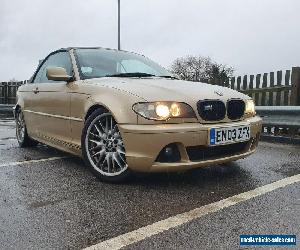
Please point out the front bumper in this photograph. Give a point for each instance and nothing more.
(143, 144)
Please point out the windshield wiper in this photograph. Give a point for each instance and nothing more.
(135, 74)
(170, 77)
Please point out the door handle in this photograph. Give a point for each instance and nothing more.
(36, 90)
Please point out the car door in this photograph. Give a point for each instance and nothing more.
(50, 104)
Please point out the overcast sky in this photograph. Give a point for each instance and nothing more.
(253, 36)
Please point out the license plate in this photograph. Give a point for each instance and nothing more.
(229, 135)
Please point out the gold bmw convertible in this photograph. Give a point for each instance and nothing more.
(122, 112)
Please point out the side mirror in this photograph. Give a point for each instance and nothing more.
(58, 74)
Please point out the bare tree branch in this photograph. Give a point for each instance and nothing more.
(201, 69)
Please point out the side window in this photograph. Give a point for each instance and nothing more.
(38, 75)
(60, 59)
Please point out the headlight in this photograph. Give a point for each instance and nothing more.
(250, 107)
(163, 110)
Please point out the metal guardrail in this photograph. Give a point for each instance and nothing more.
(284, 116)
(280, 123)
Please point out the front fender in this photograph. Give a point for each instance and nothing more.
(119, 103)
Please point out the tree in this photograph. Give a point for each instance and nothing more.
(201, 69)
(13, 80)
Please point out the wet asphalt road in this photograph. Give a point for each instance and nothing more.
(59, 204)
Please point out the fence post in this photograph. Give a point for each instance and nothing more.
(295, 93)
(1, 92)
(264, 93)
(257, 86)
(5, 93)
(238, 83)
(287, 83)
(251, 85)
(272, 86)
(245, 82)
(232, 82)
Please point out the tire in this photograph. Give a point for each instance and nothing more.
(21, 131)
(103, 149)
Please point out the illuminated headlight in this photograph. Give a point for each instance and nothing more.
(163, 110)
(250, 107)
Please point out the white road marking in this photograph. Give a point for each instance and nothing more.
(180, 219)
(9, 164)
(8, 139)
(7, 124)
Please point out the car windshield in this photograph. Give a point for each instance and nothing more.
(94, 63)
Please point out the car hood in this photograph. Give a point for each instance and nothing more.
(162, 89)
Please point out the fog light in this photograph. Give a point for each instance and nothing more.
(169, 153)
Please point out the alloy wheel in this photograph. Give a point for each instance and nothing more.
(104, 146)
(20, 127)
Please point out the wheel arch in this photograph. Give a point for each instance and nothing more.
(119, 104)
(16, 109)
(93, 108)
(98, 106)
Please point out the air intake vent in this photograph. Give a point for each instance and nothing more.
(235, 109)
(211, 110)
(203, 153)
